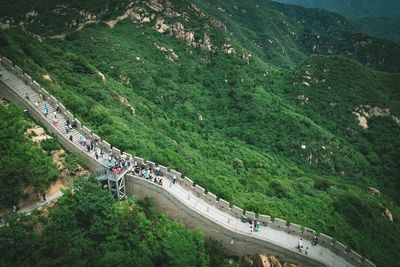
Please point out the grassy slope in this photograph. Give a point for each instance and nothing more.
(247, 146)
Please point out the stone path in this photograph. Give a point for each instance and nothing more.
(278, 237)
(19, 86)
(40, 203)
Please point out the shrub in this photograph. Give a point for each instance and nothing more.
(50, 144)
(322, 184)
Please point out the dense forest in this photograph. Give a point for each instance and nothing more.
(258, 108)
(88, 228)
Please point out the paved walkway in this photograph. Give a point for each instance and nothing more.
(19, 86)
(40, 203)
(278, 237)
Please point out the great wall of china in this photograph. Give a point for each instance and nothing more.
(185, 200)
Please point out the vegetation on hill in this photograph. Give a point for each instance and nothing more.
(22, 162)
(284, 142)
(89, 228)
(377, 18)
(353, 8)
(384, 27)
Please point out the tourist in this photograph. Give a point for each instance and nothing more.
(251, 227)
(146, 175)
(66, 128)
(44, 196)
(306, 251)
(71, 138)
(174, 179)
(36, 104)
(46, 110)
(315, 240)
(96, 155)
(14, 208)
(158, 171)
(55, 114)
(81, 140)
(258, 226)
(300, 244)
(27, 96)
(161, 182)
(88, 144)
(57, 108)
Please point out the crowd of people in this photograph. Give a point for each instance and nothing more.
(149, 172)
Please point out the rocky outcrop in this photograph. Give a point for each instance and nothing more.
(386, 213)
(206, 44)
(161, 27)
(262, 261)
(168, 52)
(363, 113)
(228, 49)
(266, 261)
(179, 32)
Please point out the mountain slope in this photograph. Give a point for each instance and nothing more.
(353, 8)
(376, 18)
(187, 86)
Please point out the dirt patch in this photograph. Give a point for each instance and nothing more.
(4, 26)
(58, 159)
(38, 134)
(363, 113)
(362, 120)
(102, 76)
(58, 37)
(47, 77)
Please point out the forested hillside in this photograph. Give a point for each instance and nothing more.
(353, 8)
(377, 18)
(23, 163)
(87, 228)
(230, 94)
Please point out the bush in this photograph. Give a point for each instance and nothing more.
(322, 184)
(50, 144)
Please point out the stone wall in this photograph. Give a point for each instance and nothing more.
(235, 243)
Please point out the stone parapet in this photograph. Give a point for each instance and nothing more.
(237, 212)
(187, 183)
(250, 215)
(223, 205)
(116, 152)
(139, 161)
(211, 198)
(264, 219)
